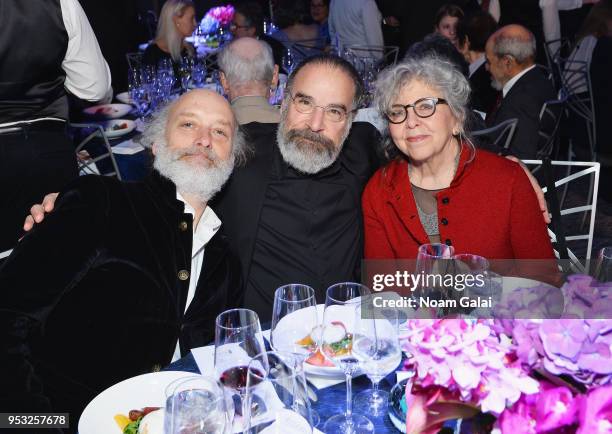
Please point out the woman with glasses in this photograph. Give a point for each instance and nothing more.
(438, 188)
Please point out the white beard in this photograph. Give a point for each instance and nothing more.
(200, 180)
(306, 151)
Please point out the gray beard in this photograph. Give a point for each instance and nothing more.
(306, 151)
(200, 181)
(496, 84)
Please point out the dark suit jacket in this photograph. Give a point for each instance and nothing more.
(241, 200)
(96, 294)
(524, 102)
(483, 96)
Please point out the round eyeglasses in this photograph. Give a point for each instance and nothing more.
(423, 108)
(306, 105)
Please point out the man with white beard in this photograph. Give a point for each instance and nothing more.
(123, 277)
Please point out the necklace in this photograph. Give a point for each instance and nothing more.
(456, 166)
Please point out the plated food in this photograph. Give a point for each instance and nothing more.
(108, 111)
(118, 127)
(148, 420)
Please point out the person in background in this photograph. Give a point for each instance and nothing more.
(296, 31)
(446, 21)
(123, 277)
(248, 75)
(319, 12)
(472, 33)
(48, 52)
(248, 22)
(510, 54)
(356, 22)
(176, 22)
(438, 188)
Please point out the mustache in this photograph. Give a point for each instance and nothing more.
(297, 135)
(196, 150)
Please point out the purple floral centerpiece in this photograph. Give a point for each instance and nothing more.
(216, 22)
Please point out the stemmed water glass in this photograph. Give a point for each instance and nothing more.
(376, 346)
(198, 73)
(288, 61)
(238, 339)
(197, 405)
(295, 326)
(185, 70)
(276, 395)
(336, 345)
(603, 267)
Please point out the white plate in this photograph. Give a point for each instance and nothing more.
(124, 97)
(108, 111)
(111, 133)
(147, 390)
(323, 371)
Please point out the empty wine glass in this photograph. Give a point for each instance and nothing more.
(185, 69)
(238, 339)
(276, 395)
(336, 344)
(295, 326)
(376, 345)
(603, 268)
(197, 405)
(288, 61)
(198, 73)
(433, 262)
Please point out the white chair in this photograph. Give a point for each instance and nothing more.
(386, 54)
(500, 135)
(584, 169)
(89, 166)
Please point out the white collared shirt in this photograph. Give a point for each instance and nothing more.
(477, 64)
(514, 79)
(208, 225)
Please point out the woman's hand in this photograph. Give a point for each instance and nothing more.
(536, 187)
(38, 211)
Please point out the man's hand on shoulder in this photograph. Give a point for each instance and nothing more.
(536, 188)
(38, 211)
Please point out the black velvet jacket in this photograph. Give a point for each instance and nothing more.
(97, 293)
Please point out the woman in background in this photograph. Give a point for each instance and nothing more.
(446, 21)
(176, 22)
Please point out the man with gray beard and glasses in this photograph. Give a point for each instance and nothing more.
(293, 210)
(122, 278)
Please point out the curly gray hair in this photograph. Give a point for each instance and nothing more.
(155, 132)
(432, 71)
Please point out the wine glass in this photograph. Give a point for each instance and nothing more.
(198, 73)
(185, 69)
(376, 345)
(433, 262)
(238, 339)
(603, 269)
(276, 395)
(336, 345)
(295, 326)
(197, 405)
(288, 61)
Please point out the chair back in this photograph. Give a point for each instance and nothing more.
(134, 60)
(551, 114)
(96, 150)
(385, 54)
(574, 246)
(499, 135)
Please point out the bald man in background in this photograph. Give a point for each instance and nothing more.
(248, 76)
(510, 54)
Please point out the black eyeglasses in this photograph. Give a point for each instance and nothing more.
(423, 108)
(306, 105)
(236, 26)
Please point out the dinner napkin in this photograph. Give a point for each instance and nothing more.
(129, 147)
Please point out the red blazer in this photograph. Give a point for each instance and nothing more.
(490, 209)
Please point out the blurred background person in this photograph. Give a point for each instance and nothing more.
(356, 22)
(525, 87)
(472, 34)
(176, 22)
(319, 12)
(248, 21)
(59, 56)
(292, 19)
(248, 76)
(446, 21)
